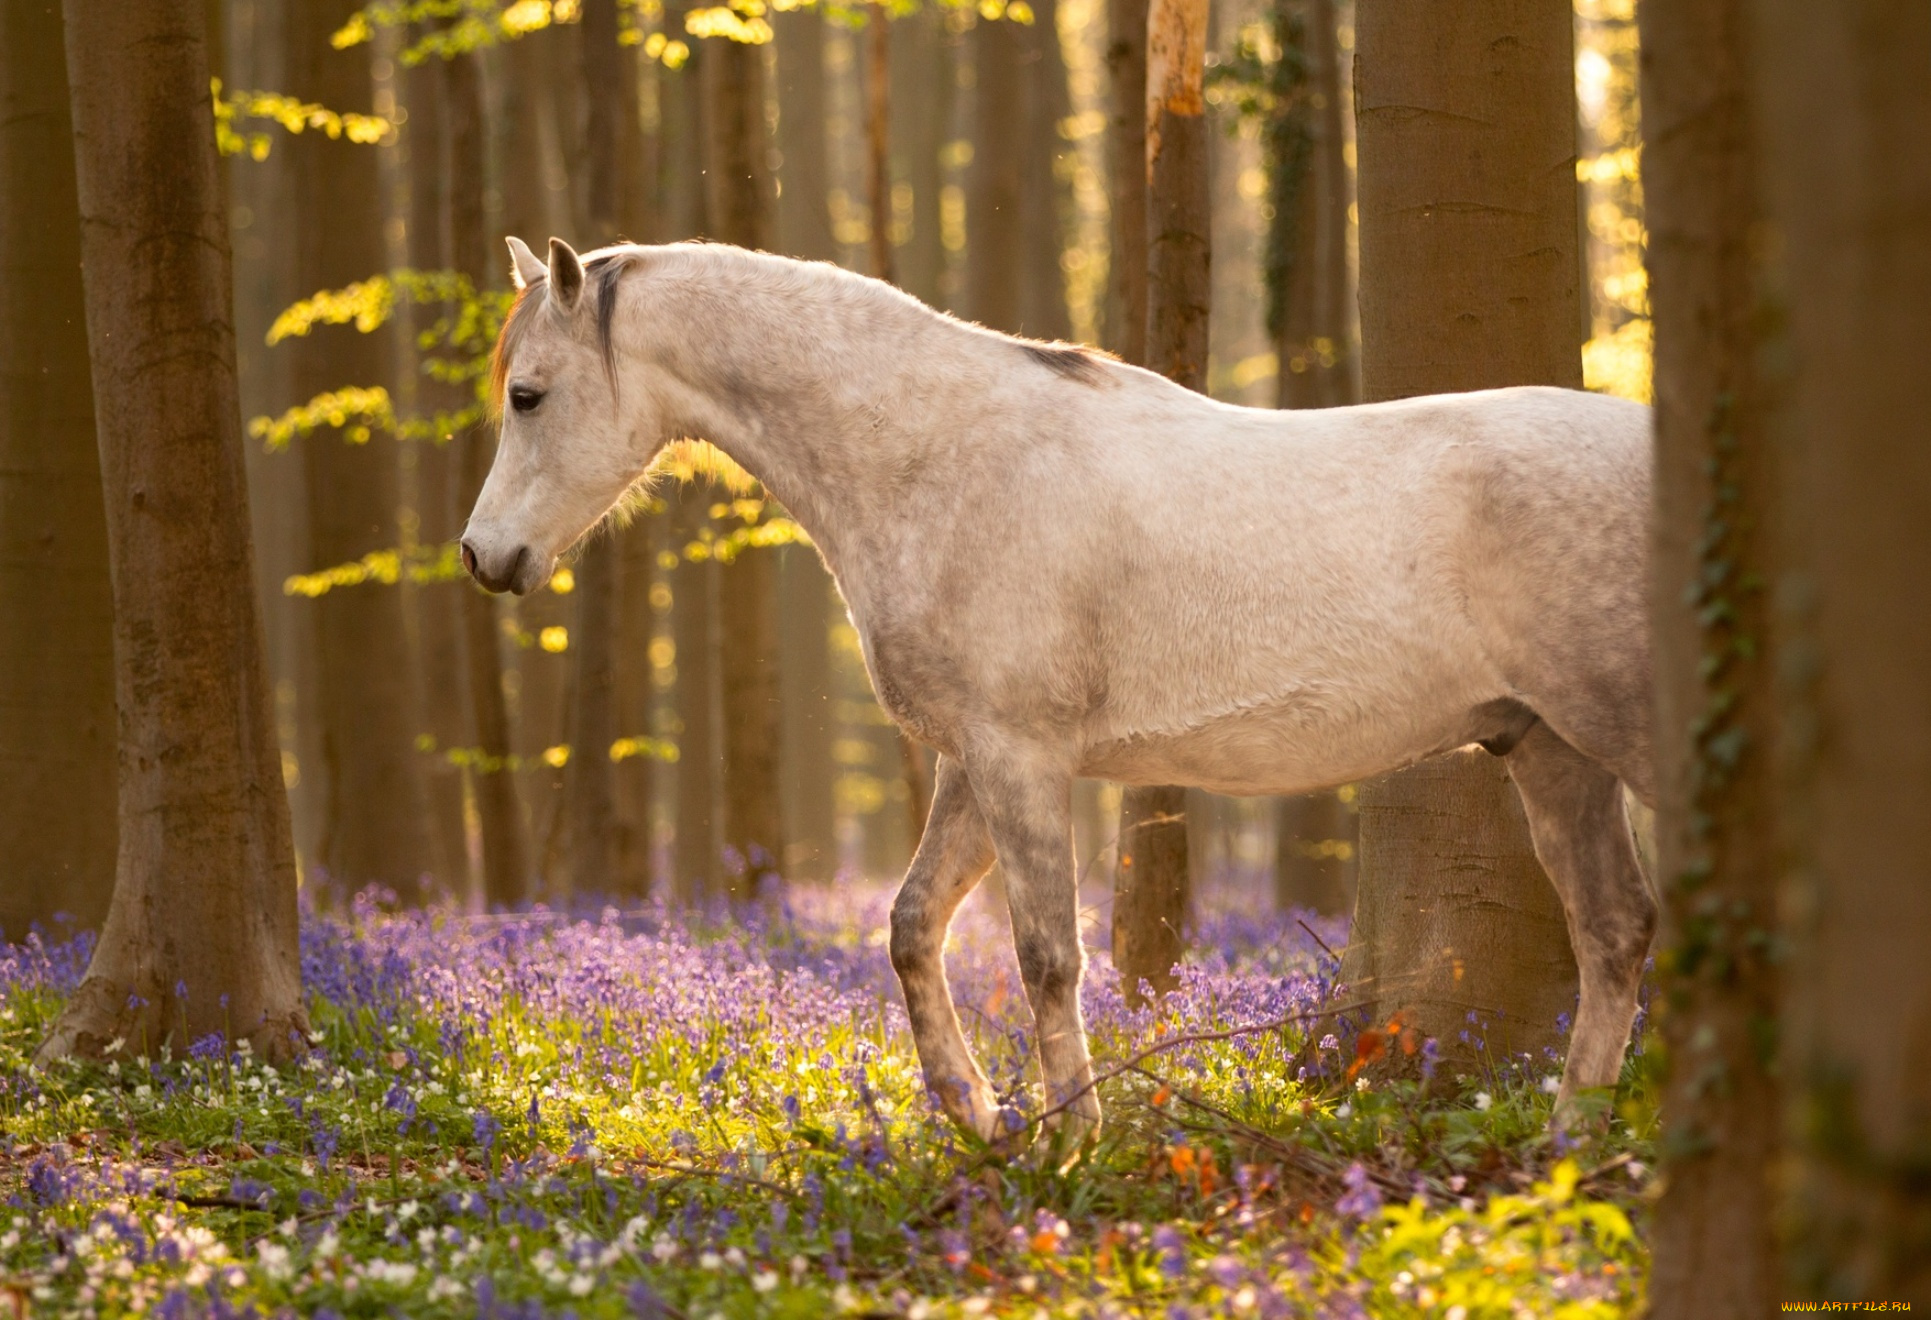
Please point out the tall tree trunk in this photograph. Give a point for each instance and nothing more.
(740, 206)
(589, 805)
(1152, 889)
(697, 872)
(804, 588)
(375, 823)
(923, 80)
(1045, 199)
(1315, 833)
(201, 932)
(1126, 160)
(499, 811)
(57, 792)
(436, 604)
(1468, 280)
(1846, 125)
(1716, 820)
(878, 141)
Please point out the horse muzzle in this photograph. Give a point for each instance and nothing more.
(519, 571)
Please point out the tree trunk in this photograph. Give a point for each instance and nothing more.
(57, 786)
(375, 822)
(878, 140)
(1846, 118)
(201, 932)
(499, 811)
(1045, 199)
(1126, 66)
(438, 521)
(589, 806)
(740, 212)
(1152, 891)
(1314, 850)
(696, 866)
(1716, 822)
(1315, 833)
(1469, 279)
(1012, 231)
(923, 81)
(804, 588)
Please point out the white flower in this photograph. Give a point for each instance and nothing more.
(735, 1257)
(1551, 1084)
(663, 1248)
(1483, 1099)
(844, 1298)
(581, 1285)
(274, 1260)
(709, 1260)
(114, 1046)
(764, 1280)
(1344, 1111)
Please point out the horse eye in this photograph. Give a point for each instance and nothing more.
(524, 399)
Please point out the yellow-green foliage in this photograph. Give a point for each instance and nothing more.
(231, 108)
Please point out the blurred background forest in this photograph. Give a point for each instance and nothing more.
(689, 688)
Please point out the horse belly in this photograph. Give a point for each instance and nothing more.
(1277, 751)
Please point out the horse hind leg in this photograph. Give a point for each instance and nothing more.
(1580, 828)
(953, 855)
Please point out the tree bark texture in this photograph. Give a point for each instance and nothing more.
(375, 823)
(1716, 820)
(1845, 125)
(499, 810)
(57, 776)
(740, 206)
(878, 139)
(201, 932)
(1152, 888)
(1466, 127)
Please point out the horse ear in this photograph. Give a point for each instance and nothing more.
(566, 275)
(525, 269)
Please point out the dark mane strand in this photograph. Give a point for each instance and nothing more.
(1072, 361)
(607, 271)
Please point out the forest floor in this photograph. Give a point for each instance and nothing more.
(635, 1114)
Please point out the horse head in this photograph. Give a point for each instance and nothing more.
(566, 452)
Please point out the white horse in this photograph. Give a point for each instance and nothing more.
(1062, 566)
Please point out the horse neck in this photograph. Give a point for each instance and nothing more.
(823, 388)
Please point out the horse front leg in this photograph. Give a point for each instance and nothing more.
(1028, 808)
(1580, 828)
(953, 855)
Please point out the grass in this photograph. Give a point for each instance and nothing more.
(642, 1115)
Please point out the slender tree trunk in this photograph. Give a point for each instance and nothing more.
(697, 870)
(589, 806)
(57, 790)
(923, 80)
(878, 143)
(740, 207)
(1845, 127)
(1152, 890)
(993, 236)
(499, 811)
(804, 588)
(1126, 67)
(201, 933)
(375, 822)
(1315, 833)
(436, 604)
(1468, 280)
(1716, 823)
(1045, 199)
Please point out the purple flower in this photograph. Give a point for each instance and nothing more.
(1362, 1199)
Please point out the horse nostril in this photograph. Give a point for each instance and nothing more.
(469, 558)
